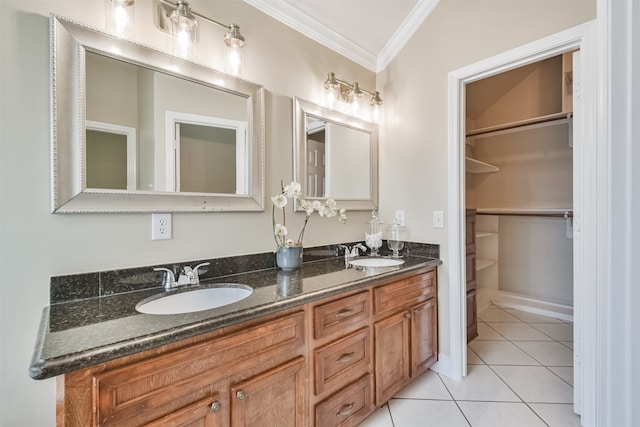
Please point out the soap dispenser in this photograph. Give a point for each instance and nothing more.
(373, 239)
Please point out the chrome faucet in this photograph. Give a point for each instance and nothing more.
(188, 276)
(168, 279)
(353, 251)
(193, 274)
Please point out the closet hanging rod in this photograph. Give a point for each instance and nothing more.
(549, 119)
(551, 213)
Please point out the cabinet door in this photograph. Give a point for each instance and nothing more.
(424, 336)
(276, 397)
(391, 342)
(206, 413)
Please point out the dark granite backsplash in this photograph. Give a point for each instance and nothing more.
(100, 284)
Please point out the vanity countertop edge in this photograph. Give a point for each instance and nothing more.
(59, 350)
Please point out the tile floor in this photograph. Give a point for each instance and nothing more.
(520, 373)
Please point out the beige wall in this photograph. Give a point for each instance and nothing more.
(35, 244)
(413, 150)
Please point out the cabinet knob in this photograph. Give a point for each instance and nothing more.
(345, 410)
(407, 315)
(240, 395)
(345, 357)
(216, 406)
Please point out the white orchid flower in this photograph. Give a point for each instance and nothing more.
(293, 190)
(306, 206)
(279, 201)
(280, 230)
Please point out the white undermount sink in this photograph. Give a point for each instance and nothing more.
(376, 262)
(195, 300)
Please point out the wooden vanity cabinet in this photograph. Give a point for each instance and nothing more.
(329, 363)
(405, 332)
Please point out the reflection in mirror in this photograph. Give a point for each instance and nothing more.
(158, 132)
(335, 156)
(126, 95)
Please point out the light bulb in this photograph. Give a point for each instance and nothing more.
(120, 17)
(234, 59)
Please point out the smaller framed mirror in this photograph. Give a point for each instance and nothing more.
(335, 156)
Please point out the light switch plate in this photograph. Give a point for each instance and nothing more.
(438, 219)
(400, 218)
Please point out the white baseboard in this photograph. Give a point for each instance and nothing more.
(442, 366)
(532, 305)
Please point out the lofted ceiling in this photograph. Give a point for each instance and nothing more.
(369, 32)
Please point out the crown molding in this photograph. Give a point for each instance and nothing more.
(405, 31)
(303, 23)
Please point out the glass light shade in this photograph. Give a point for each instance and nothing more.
(234, 58)
(376, 106)
(120, 18)
(356, 99)
(332, 88)
(185, 29)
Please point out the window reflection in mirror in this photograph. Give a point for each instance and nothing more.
(174, 151)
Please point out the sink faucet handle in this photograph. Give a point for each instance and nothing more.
(354, 250)
(196, 272)
(169, 279)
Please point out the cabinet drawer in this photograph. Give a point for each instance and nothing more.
(348, 407)
(471, 271)
(340, 362)
(337, 315)
(144, 391)
(404, 293)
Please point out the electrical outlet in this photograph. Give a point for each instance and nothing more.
(438, 219)
(400, 218)
(161, 226)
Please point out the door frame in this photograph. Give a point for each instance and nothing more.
(586, 210)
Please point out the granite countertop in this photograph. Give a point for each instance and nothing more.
(80, 333)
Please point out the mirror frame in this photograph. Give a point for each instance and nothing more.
(301, 110)
(69, 194)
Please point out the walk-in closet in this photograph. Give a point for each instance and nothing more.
(519, 190)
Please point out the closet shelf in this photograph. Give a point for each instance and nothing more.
(551, 119)
(481, 264)
(481, 234)
(476, 166)
(549, 212)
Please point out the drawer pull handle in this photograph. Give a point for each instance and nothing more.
(345, 410)
(407, 315)
(216, 406)
(240, 395)
(345, 358)
(344, 313)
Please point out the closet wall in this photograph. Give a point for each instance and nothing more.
(523, 171)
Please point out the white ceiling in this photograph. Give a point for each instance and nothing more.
(369, 32)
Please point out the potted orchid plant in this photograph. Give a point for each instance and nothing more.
(289, 251)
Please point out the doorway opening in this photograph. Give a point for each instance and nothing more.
(584, 114)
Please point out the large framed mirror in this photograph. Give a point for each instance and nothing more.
(335, 156)
(138, 130)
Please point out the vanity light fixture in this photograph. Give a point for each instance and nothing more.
(120, 17)
(354, 95)
(178, 19)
